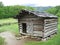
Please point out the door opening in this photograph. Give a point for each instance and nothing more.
(24, 27)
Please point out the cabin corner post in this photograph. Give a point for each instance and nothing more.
(43, 36)
(57, 26)
(50, 27)
(19, 24)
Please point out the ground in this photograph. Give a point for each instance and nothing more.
(10, 39)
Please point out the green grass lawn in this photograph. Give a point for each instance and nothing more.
(2, 41)
(12, 27)
(8, 20)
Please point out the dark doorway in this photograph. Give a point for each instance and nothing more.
(24, 27)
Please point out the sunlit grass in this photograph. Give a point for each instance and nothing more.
(13, 28)
(8, 20)
(2, 41)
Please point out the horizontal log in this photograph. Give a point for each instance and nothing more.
(49, 30)
(37, 33)
(32, 18)
(20, 27)
(50, 20)
(49, 33)
(38, 29)
(37, 26)
(36, 22)
(51, 24)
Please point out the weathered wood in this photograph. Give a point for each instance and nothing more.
(49, 30)
(50, 33)
(37, 26)
(50, 27)
(30, 28)
(50, 20)
(51, 24)
(37, 33)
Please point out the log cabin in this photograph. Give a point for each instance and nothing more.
(39, 24)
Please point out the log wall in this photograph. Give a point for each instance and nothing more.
(50, 27)
(37, 26)
(34, 25)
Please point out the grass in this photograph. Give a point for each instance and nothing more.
(12, 28)
(9, 20)
(2, 41)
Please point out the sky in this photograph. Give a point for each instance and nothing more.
(31, 2)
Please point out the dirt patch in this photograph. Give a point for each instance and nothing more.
(10, 39)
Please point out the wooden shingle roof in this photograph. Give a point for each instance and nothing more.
(43, 14)
(37, 13)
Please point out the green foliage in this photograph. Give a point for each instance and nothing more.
(1, 4)
(2, 41)
(11, 11)
(54, 10)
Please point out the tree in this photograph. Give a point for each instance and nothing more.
(54, 10)
(1, 4)
(11, 11)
